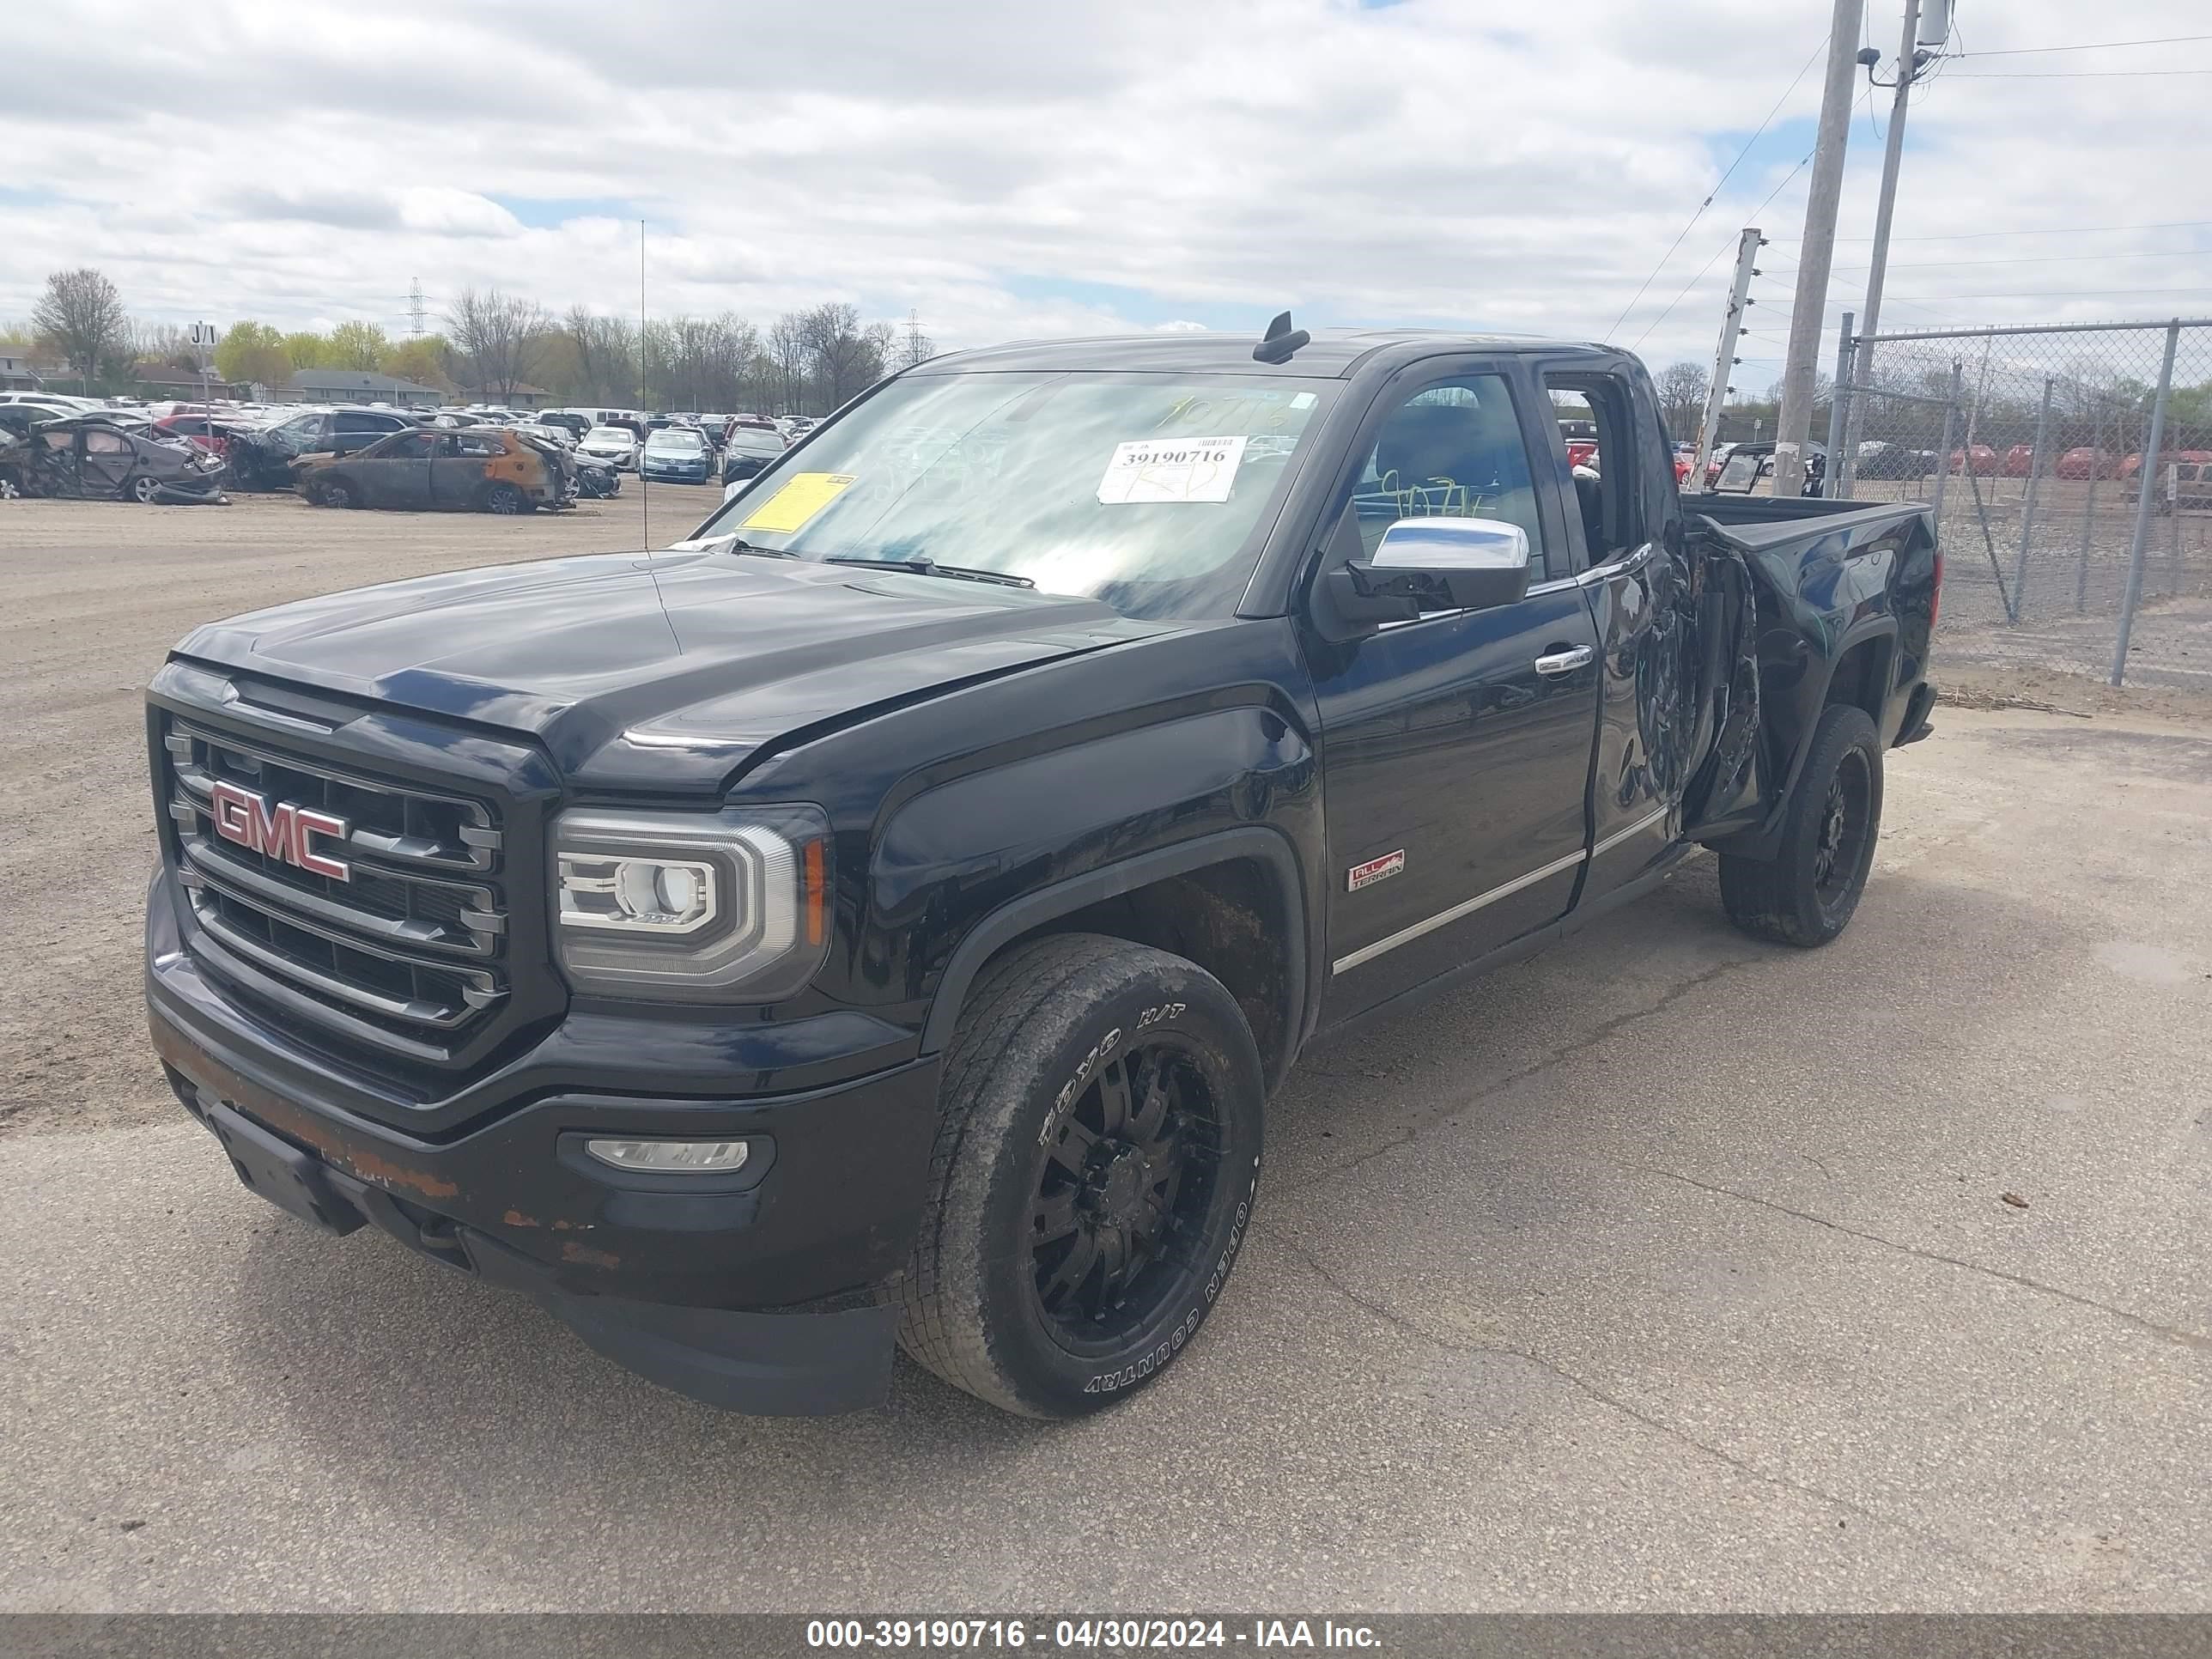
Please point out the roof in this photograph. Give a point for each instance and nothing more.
(1334, 353)
(357, 379)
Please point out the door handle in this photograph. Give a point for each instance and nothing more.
(1556, 663)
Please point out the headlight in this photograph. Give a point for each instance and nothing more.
(692, 905)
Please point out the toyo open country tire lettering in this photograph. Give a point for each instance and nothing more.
(1097, 1160)
(1806, 895)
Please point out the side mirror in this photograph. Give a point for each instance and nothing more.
(1433, 564)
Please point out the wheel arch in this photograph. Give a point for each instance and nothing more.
(1232, 901)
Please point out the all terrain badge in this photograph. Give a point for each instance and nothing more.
(1375, 870)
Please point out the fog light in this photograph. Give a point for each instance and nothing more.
(671, 1157)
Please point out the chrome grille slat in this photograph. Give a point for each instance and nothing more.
(461, 938)
(416, 1011)
(404, 952)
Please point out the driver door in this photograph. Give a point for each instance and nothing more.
(396, 472)
(1457, 745)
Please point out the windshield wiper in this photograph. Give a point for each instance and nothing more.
(931, 567)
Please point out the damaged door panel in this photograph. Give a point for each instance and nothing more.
(90, 458)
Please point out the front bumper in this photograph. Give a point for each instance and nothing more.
(764, 1292)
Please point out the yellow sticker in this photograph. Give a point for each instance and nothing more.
(802, 497)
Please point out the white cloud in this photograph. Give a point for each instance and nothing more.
(1004, 168)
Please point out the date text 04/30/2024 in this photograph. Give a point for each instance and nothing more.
(927, 1635)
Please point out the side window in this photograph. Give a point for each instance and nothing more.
(106, 443)
(347, 421)
(472, 443)
(1598, 445)
(1452, 450)
(415, 447)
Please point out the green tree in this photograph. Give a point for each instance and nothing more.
(308, 350)
(252, 351)
(425, 361)
(356, 345)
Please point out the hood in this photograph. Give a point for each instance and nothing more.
(670, 673)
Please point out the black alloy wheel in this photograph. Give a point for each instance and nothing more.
(1805, 892)
(1096, 1161)
(1845, 824)
(1121, 1193)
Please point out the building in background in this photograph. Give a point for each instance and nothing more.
(354, 386)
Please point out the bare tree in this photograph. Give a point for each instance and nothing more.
(845, 358)
(606, 355)
(80, 315)
(787, 346)
(501, 335)
(1682, 388)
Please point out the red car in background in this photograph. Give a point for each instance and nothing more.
(1984, 461)
(199, 429)
(2133, 465)
(2087, 463)
(2019, 460)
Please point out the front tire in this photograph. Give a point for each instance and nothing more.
(1806, 895)
(1098, 1159)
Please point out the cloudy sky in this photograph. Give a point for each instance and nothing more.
(1008, 168)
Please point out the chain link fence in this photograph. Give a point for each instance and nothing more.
(2073, 469)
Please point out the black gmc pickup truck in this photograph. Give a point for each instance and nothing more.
(881, 918)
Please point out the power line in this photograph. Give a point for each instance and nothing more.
(1716, 190)
(2063, 75)
(2048, 259)
(1802, 162)
(2098, 45)
(2077, 293)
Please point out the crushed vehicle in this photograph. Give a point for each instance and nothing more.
(488, 469)
(91, 458)
(883, 917)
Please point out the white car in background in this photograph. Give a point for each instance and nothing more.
(615, 444)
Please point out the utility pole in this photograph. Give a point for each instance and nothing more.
(1912, 58)
(1708, 429)
(1816, 252)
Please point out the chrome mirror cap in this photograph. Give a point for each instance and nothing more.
(1442, 544)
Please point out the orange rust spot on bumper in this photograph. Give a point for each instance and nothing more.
(278, 1113)
(516, 1218)
(585, 1256)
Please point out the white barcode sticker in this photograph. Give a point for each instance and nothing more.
(1172, 470)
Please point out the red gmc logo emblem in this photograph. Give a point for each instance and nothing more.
(280, 830)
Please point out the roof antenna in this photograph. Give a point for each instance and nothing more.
(1281, 340)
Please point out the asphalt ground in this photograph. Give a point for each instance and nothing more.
(1664, 1270)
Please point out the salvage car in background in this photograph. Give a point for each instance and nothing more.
(90, 457)
(477, 469)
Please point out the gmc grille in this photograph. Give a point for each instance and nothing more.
(409, 954)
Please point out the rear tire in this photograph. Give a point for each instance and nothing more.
(1097, 1161)
(1806, 895)
(504, 500)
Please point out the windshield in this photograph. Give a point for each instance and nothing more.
(675, 440)
(1150, 492)
(608, 434)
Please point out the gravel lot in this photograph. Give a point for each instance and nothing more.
(1664, 1270)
